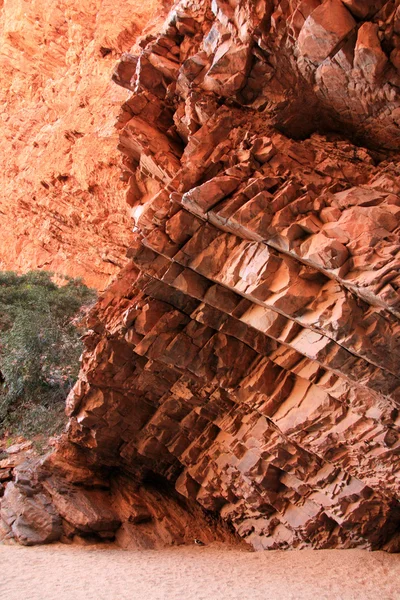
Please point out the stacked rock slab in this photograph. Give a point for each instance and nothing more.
(249, 354)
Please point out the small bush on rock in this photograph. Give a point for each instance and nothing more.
(39, 348)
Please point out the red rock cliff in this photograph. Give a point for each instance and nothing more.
(61, 198)
(248, 354)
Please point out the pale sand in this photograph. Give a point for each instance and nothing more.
(193, 573)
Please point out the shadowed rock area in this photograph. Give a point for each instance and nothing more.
(246, 361)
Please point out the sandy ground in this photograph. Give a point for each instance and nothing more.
(194, 573)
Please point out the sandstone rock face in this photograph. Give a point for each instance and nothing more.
(248, 354)
(61, 199)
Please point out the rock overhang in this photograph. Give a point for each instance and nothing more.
(248, 355)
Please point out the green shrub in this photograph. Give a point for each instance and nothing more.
(39, 347)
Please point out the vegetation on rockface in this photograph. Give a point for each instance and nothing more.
(39, 348)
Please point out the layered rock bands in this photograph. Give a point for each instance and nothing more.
(61, 199)
(247, 358)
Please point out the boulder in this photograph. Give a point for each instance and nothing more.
(324, 30)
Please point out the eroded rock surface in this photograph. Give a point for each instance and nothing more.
(248, 355)
(61, 198)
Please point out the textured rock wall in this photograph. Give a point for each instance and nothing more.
(61, 199)
(248, 354)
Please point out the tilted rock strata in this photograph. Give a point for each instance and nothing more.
(249, 353)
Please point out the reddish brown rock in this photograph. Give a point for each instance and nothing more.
(29, 520)
(324, 30)
(369, 56)
(364, 8)
(246, 359)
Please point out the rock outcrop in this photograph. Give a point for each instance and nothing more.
(61, 198)
(248, 354)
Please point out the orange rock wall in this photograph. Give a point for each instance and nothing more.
(62, 204)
